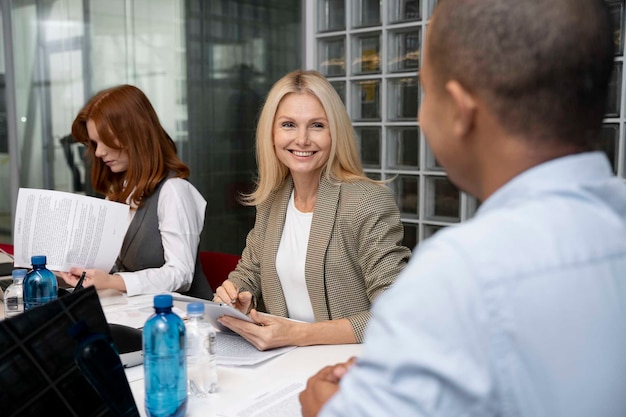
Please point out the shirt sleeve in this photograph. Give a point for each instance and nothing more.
(181, 210)
(425, 351)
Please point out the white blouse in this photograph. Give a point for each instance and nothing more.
(180, 212)
(290, 262)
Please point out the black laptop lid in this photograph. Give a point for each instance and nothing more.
(38, 372)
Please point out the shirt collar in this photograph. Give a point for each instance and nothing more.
(564, 172)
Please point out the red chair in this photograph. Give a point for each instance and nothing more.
(7, 247)
(217, 265)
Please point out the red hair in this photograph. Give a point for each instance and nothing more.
(125, 120)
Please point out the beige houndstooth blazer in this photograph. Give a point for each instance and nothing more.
(354, 251)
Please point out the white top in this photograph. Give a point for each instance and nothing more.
(290, 261)
(180, 212)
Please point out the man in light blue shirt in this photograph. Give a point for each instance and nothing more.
(520, 311)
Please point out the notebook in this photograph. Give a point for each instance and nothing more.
(38, 373)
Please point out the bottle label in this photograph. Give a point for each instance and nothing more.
(12, 303)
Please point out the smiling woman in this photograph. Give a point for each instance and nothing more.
(302, 143)
(326, 240)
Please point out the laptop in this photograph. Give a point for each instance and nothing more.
(39, 374)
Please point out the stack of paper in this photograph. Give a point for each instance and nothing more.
(234, 350)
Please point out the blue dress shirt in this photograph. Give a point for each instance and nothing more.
(520, 311)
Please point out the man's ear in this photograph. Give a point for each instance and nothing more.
(465, 108)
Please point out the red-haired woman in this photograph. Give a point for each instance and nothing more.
(135, 162)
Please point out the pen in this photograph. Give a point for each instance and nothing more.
(79, 285)
(234, 300)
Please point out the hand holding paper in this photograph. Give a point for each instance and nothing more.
(70, 229)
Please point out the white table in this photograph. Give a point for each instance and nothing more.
(237, 385)
(241, 384)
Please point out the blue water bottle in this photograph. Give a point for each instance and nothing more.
(40, 284)
(164, 361)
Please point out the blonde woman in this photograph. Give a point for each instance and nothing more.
(327, 239)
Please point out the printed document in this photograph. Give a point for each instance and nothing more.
(281, 400)
(234, 350)
(69, 229)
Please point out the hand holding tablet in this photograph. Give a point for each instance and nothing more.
(215, 310)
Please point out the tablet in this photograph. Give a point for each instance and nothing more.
(213, 311)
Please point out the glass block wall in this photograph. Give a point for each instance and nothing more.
(612, 139)
(370, 50)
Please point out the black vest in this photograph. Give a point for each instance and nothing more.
(143, 248)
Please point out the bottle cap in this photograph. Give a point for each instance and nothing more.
(38, 259)
(163, 301)
(19, 273)
(195, 308)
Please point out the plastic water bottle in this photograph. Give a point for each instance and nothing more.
(164, 361)
(201, 352)
(14, 294)
(40, 284)
(98, 359)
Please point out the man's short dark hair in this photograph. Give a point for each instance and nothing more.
(542, 66)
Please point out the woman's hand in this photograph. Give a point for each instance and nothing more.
(93, 277)
(272, 331)
(227, 293)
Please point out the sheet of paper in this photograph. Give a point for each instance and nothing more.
(234, 350)
(278, 401)
(132, 311)
(70, 229)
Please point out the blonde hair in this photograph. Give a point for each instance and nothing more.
(344, 162)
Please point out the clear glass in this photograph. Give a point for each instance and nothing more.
(366, 12)
(403, 98)
(404, 50)
(617, 14)
(614, 98)
(332, 55)
(340, 88)
(366, 100)
(442, 200)
(6, 219)
(233, 61)
(430, 229)
(404, 10)
(201, 355)
(366, 54)
(431, 162)
(608, 142)
(331, 15)
(403, 144)
(205, 66)
(411, 235)
(138, 44)
(368, 141)
(406, 190)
